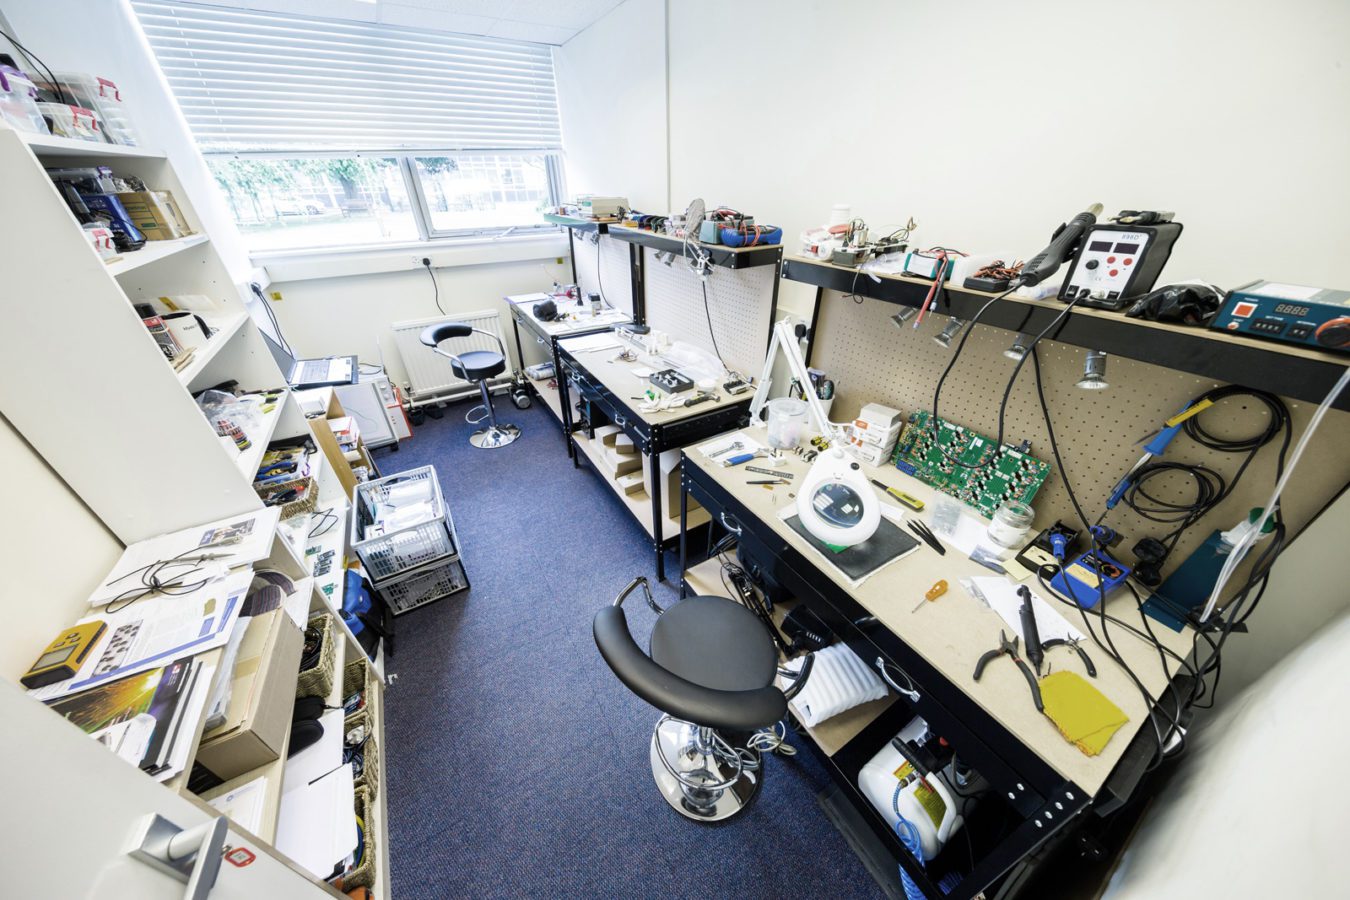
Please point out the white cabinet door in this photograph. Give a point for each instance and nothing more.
(71, 808)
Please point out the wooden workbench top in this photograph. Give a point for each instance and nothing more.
(953, 632)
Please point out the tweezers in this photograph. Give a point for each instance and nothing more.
(928, 537)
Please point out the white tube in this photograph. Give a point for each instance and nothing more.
(1236, 554)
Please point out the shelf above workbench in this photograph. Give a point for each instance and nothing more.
(1297, 372)
(719, 254)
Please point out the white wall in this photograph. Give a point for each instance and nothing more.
(991, 123)
(352, 314)
(53, 551)
(1262, 776)
(612, 98)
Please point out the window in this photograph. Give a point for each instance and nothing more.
(338, 134)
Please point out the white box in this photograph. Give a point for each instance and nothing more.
(873, 456)
(876, 415)
(872, 435)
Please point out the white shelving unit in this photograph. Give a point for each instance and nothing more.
(99, 402)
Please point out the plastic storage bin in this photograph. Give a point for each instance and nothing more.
(428, 539)
(18, 102)
(424, 586)
(96, 93)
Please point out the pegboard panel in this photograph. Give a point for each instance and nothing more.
(740, 304)
(1099, 432)
(615, 281)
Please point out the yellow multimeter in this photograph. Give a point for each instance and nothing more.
(64, 656)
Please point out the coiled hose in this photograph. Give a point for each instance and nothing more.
(909, 836)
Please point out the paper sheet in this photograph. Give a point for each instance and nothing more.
(748, 445)
(236, 541)
(320, 757)
(317, 824)
(244, 804)
(156, 630)
(592, 342)
(1003, 599)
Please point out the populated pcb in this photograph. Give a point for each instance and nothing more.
(1012, 475)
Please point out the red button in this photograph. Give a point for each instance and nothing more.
(1110, 259)
(1128, 261)
(1113, 273)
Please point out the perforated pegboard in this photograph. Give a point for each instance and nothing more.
(615, 282)
(1099, 432)
(740, 303)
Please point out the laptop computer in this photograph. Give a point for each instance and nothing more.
(313, 373)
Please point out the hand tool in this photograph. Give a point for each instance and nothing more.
(774, 472)
(1010, 648)
(1030, 632)
(928, 537)
(1082, 654)
(912, 502)
(934, 592)
(741, 458)
(734, 445)
(769, 481)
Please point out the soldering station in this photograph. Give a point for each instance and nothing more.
(749, 450)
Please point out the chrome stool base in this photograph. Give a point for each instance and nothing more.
(494, 436)
(701, 776)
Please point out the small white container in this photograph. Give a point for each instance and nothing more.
(787, 422)
(18, 102)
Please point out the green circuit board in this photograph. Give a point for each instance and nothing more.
(1013, 475)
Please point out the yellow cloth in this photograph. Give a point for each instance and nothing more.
(1083, 714)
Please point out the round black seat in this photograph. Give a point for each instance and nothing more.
(715, 643)
(477, 365)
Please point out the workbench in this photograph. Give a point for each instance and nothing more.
(613, 392)
(1040, 781)
(578, 321)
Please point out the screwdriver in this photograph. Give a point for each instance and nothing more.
(909, 500)
(934, 592)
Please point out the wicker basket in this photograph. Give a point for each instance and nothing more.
(306, 503)
(318, 681)
(370, 767)
(364, 874)
(357, 675)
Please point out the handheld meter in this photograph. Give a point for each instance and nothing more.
(64, 656)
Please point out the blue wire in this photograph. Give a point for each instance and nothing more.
(909, 836)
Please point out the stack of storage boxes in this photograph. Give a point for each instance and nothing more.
(405, 537)
(872, 435)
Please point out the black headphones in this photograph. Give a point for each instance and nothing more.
(546, 311)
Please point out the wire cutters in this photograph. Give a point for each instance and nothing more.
(1010, 648)
(1082, 654)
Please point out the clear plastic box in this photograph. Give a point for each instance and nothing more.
(18, 102)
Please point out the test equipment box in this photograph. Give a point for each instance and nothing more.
(1312, 317)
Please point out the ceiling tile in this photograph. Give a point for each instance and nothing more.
(436, 20)
(529, 31)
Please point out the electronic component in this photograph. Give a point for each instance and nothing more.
(957, 463)
(1050, 548)
(671, 381)
(1117, 263)
(591, 206)
(1090, 577)
(736, 385)
(64, 656)
(1313, 317)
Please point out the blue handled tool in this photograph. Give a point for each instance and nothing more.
(738, 459)
(1156, 447)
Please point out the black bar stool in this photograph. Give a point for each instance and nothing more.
(475, 366)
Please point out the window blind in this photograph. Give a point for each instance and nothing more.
(259, 81)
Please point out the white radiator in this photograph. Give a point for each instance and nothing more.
(429, 374)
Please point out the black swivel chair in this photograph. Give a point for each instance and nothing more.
(479, 366)
(711, 672)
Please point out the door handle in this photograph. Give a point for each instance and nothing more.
(191, 855)
(734, 529)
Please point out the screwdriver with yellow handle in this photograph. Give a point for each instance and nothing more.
(934, 592)
(909, 500)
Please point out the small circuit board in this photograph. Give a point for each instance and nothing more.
(1012, 475)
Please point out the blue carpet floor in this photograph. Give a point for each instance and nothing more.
(518, 763)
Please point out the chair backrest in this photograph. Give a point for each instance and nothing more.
(434, 334)
(668, 692)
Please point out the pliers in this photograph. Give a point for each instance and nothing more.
(1010, 648)
(1082, 654)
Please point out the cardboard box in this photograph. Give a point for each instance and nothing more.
(670, 484)
(632, 483)
(621, 465)
(875, 415)
(262, 698)
(156, 214)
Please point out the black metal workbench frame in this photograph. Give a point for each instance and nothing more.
(1041, 801)
(650, 439)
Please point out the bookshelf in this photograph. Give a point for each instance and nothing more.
(99, 403)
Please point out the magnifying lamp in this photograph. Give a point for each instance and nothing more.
(836, 503)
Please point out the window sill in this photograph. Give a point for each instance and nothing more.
(303, 265)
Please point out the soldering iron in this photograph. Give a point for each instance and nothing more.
(1063, 244)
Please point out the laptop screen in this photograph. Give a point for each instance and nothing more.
(285, 361)
(259, 314)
